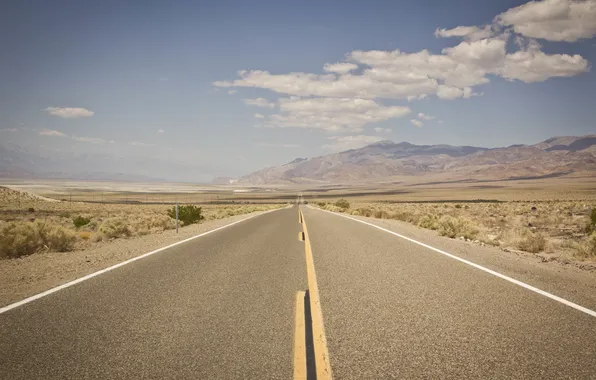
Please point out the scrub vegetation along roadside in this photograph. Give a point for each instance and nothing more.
(30, 224)
(564, 228)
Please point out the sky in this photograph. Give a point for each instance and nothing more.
(224, 88)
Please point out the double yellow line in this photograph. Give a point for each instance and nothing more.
(323, 368)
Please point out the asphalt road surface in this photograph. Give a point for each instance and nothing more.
(223, 307)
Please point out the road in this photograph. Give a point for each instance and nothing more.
(224, 306)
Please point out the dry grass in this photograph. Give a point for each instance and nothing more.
(542, 226)
(29, 224)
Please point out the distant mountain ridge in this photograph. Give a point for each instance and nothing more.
(385, 159)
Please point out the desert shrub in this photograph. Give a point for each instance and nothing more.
(456, 227)
(25, 238)
(342, 203)
(381, 214)
(321, 204)
(80, 221)
(457, 206)
(365, 211)
(587, 248)
(58, 238)
(31, 209)
(19, 239)
(355, 213)
(591, 227)
(64, 214)
(115, 227)
(429, 221)
(531, 242)
(190, 214)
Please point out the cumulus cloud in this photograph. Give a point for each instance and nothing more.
(8, 130)
(69, 112)
(259, 116)
(332, 114)
(51, 132)
(472, 33)
(340, 68)
(259, 102)
(341, 143)
(161, 131)
(424, 116)
(334, 100)
(232, 92)
(533, 65)
(417, 123)
(382, 130)
(553, 20)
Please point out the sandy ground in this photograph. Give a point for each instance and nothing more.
(29, 275)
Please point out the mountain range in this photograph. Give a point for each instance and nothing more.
(385, 160)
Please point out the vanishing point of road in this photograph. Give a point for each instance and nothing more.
(297, 293)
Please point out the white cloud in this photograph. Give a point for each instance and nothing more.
(232, 92)
(382, 130)
(449, 92)
(532, 65)
(8, 130)
(92, 140)
(471, 33)
(341, 143)
(417, 123)
(332, 114)
(69, 112)
(259, 102)
(424, 116)
(340, 68)
(343, 99)
(553, 20)
(440, 121)
(142, 144)
(259, 116)
(161, 131)
(50, 132)
(276, 145)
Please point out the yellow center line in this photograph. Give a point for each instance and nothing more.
(300, 339)
(322, 364)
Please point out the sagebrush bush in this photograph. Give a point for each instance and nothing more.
(429, 221)
(532, 242)
(591, 226)
(587, 249)
(25, 238)
(455, 227)
(116, 227)
(80, 221)
(342, 203)
(191, 214)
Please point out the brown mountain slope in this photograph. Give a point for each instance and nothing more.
(553, 157)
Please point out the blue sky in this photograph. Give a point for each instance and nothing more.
(159, 80)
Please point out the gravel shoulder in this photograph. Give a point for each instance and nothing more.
(570, 280)
(29, 275)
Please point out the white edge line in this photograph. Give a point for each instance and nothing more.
(94, 274)
(490, 271)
